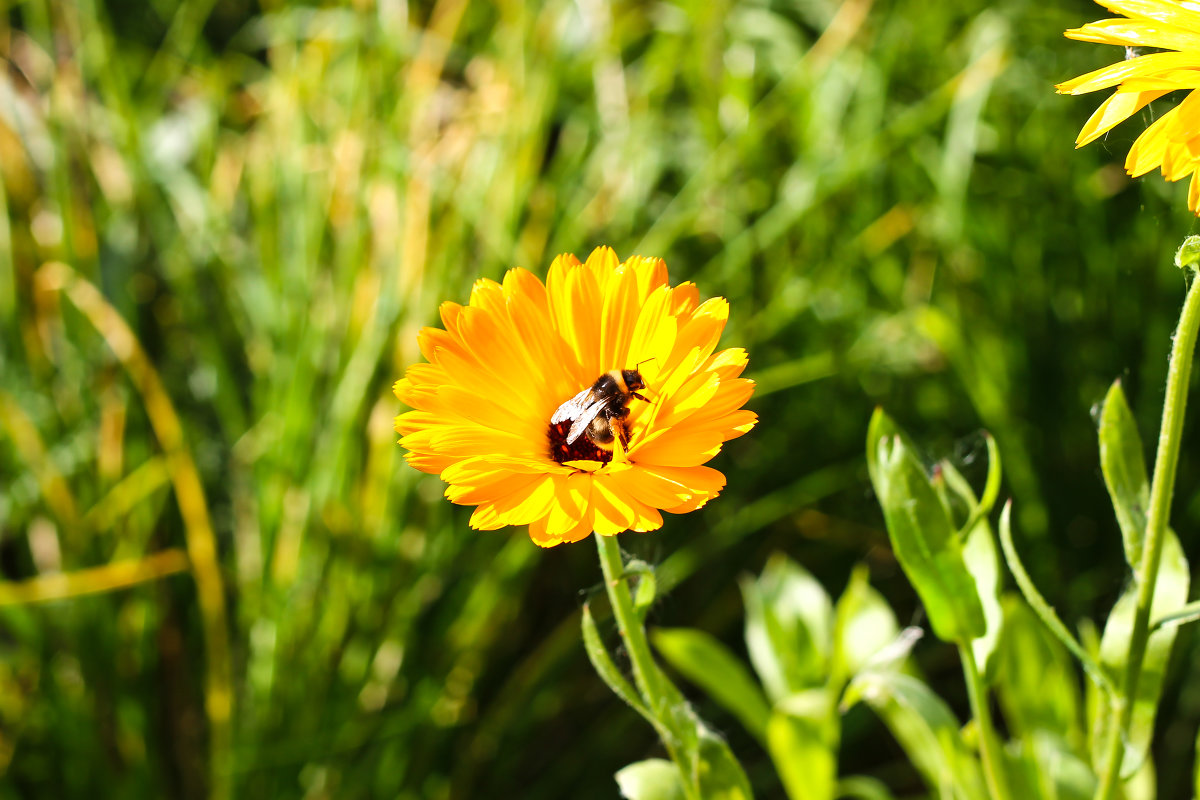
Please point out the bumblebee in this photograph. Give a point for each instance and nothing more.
(599, 411)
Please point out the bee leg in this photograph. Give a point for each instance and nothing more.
(639, 397)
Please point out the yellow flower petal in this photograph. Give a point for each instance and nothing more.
(1116, 109)
(1168, 11)
(1110, 76)
(1137, 33)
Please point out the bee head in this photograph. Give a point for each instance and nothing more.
(633, 379)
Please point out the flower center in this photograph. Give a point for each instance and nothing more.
(582, 449)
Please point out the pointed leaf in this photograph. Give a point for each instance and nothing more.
(710, 665)
(652, 779)
(923, 538)
(1124, 468)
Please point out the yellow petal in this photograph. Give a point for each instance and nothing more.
(1147, 150)
(1113, 111)
(1113, 74)
(1137, 33)
(618, 319)
(679, 447)
(648, 487)
(1170, 12)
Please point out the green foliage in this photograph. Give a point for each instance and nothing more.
(803, 649)
(1124, 470)
(923, 535)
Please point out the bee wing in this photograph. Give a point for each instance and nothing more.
(572, 408)
(584, 419)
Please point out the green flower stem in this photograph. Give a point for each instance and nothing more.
(1162, 486)
(989, 744)
(645, 672)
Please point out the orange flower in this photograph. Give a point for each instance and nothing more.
(508, 360)
(1172, 142)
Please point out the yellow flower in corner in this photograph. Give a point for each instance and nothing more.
(590, 403)
(1172, 142)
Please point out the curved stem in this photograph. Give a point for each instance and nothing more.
(993, 756)
(1162, 486)
(645, 671)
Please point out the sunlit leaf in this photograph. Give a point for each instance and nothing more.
(652, 779)
(1124, 468)
(707, 663)
(922, 535)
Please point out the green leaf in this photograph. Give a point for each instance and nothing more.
(1170, 593)
(802, 738)
(1036, 680)
(1124, 469)
(788, 627)
(710, 665)
(925, 727)
(652, 779)
(863, 625)
(922, 535)
(598, 655)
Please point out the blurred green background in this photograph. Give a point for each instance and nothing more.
(274, 198)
